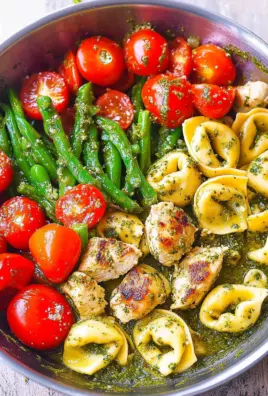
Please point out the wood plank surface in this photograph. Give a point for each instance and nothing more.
(253, 15)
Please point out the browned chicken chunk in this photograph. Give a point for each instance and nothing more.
(195, 275)
(170, 233)
(142, 289)
(107, 258)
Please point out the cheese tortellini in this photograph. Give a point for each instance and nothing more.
(252, 130)
(220, 204)
(258, 222)
(244, 302)
(162, 329)
(255, 278)
(175, 178)
(257, 174)
(92, 344)
(87, 296)
(195, 275)
(142, 289)
(214, 146)
(119, 225)
(260, 255)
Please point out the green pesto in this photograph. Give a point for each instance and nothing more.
(246, 56)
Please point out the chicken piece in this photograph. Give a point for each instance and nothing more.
(251, 95)
(170, 233)
(142, 289)
(87, 296)
(195, 275)
(107, 258)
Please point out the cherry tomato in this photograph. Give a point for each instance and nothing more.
(168, 98)
(116, 106)
(100, 60)
(125, 82)
(6, 171)
(68, 120)
(146, 52)
(40, 317)
(69, 71)
(47, 84)
(180, 59)
(20, 217)
(56, 249)
(212, 65)
(81, 204)
(3, 244)
(213, 101)
(15, 273)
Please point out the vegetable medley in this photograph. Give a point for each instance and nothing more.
(127, 179)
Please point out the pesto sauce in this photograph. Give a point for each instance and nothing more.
(246, 56)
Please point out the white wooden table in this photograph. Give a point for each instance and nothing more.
(253, 14)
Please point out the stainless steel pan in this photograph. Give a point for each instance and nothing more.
(40, 46)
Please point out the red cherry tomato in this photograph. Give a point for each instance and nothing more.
(81, 204)
(69, 71)
(212, 65)
(20, 217)
(68, 120)
(116, 106)
(213, 101)
(15, 273)
(146, 52)
(47, 84)
(40, 317)
(3, 244)
(125, 82)
(100, 60)
(168, 98)
(180, 59)
(56, 249)
(6, 171)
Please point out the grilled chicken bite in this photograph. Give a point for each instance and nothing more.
(142, 289)
(107, 258)
(87, 296)
(170, 233)
(195, 275)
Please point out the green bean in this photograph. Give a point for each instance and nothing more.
(4, 141)
(135, 149)
(144, 122)
(147, 191)
(42, 181)
(136, 97)
(39, 150)
(15, 139)
(49, 145)
(118, 137)
(83, 117)
(53, 128)
(33, 193)
(26, 147)
(91, 155)
(82, 231)
(66, 180)
(168, 139)
(113, 163)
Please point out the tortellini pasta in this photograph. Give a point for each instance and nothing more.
(252, 130)
(258, 222)
(260, 255)
(92, 344)
(257, 174)
(195, 275)
(142, 289)
(220, 204)
(162, 329)
(244, 301)
(214, 146)
(175, 178)
(255, 278)
(126, 227)
(87, 296)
